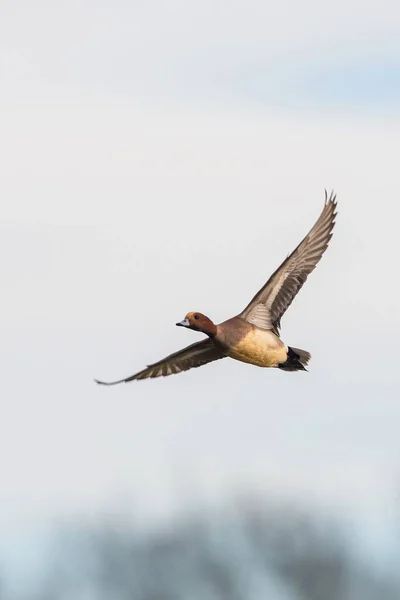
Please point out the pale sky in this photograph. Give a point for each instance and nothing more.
(158, 158)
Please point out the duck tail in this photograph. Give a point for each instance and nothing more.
(296, 360)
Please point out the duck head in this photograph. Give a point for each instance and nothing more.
(199, 322)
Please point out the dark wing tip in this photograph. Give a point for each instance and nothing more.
(108, 382)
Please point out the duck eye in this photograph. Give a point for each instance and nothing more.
(197, 317)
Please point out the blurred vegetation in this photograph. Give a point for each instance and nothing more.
(250, 551)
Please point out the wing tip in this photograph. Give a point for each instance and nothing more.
(107, 382)
(330, 207)
(331, 199)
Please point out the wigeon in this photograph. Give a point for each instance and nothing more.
(253, 335)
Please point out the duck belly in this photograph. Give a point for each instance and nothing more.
(261, 348)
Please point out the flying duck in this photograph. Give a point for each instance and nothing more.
(253, 335)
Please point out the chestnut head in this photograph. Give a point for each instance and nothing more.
(198, 322)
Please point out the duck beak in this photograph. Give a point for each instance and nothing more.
(184, 323)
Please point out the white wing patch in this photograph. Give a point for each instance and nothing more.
(260, 316)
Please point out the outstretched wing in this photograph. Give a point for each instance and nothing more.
(270, 303)
(190, 357)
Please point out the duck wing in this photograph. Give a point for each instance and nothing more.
(192, 356)
(269, 304)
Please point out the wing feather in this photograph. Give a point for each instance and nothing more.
(195, 355)
(269, 304)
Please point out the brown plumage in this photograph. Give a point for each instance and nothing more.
(253, 335)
